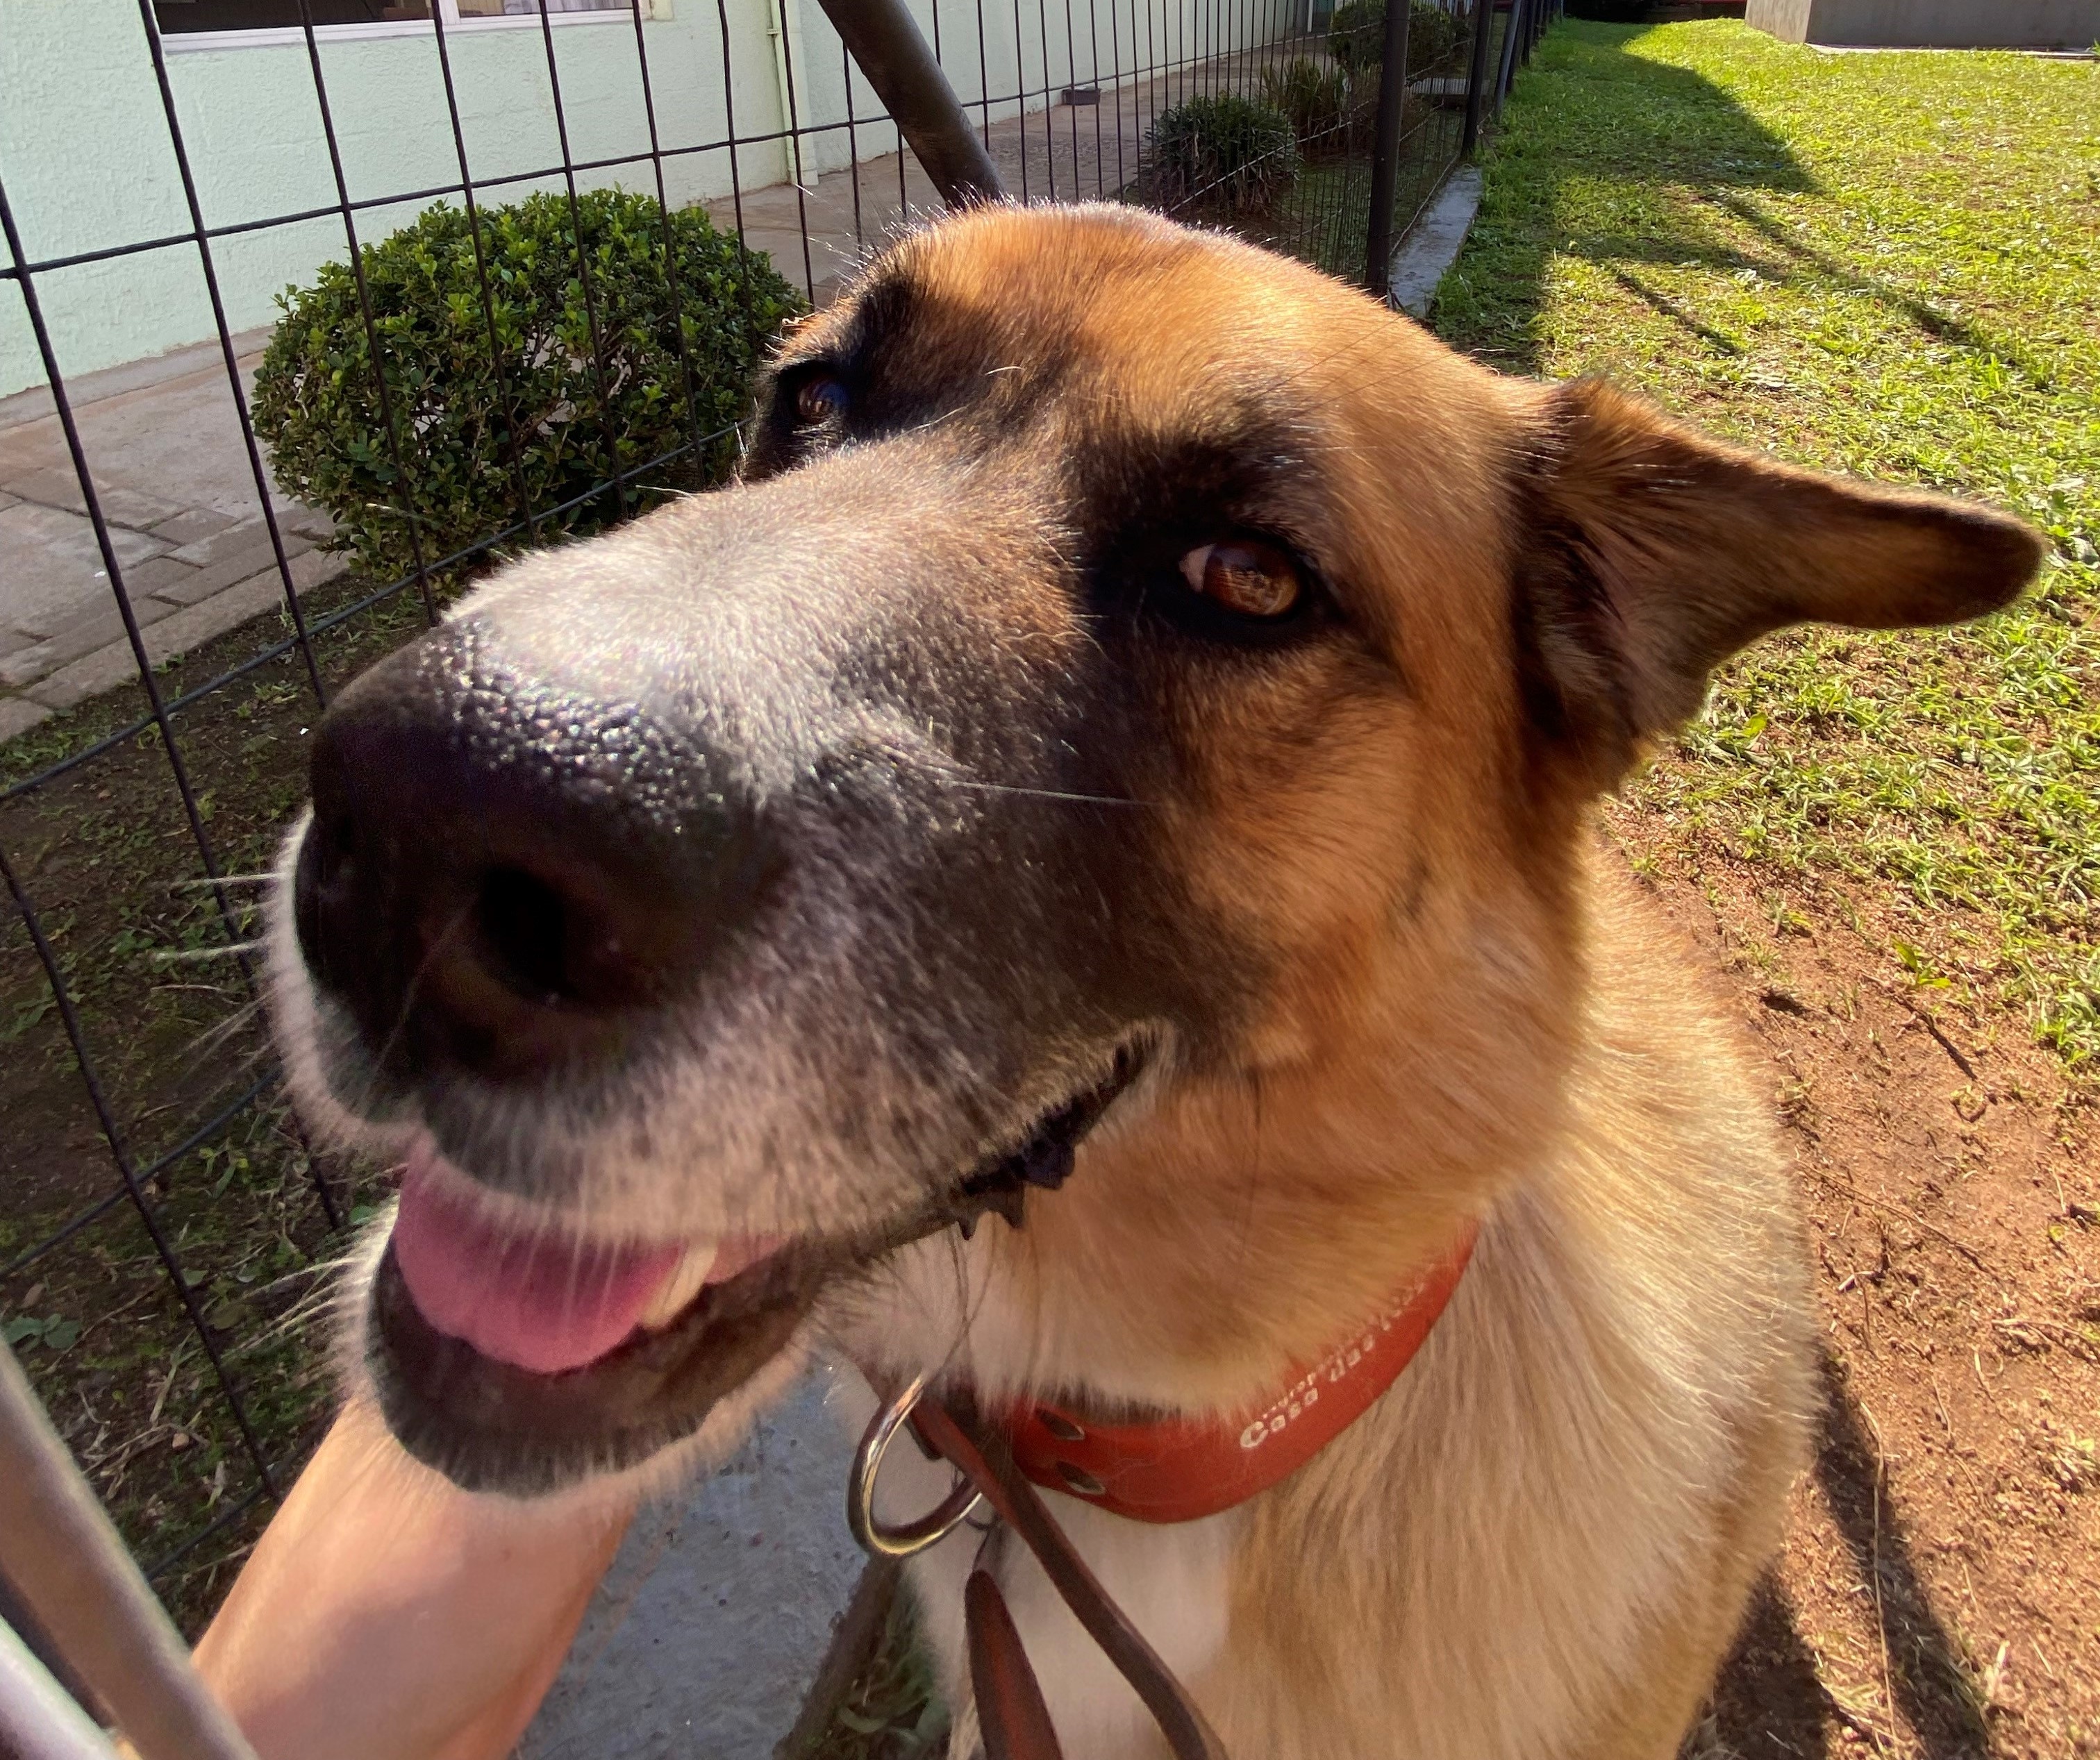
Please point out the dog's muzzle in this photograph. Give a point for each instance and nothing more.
(739, 870)
(497, 1425)
(500, 877)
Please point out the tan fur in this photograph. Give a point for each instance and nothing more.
(1540, 1543)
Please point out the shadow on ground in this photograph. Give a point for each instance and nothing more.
(1689, 168)
(1769, 1699)
(1585, 111)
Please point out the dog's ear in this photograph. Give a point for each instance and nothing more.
(1651, 553)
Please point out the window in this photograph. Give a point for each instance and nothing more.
(179, 18)
(467, 9)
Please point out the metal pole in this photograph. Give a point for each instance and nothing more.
(1477, 77)
(1505, 71)
(1385, 148)
(881, 36)
(38, 1720)
(64, 1559)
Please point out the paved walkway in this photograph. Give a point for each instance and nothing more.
(707, 1634)
(1420, 259)
(178, 492)
(1070, 152)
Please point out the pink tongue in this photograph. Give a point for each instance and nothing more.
(545, 1301)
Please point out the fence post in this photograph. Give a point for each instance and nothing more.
(1505, 71)
(1476, 75)
(880, 36)
(1385, 146)
(66, 1561)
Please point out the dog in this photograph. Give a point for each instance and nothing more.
(1140, 712)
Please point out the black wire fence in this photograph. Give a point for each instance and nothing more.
(166, 1230)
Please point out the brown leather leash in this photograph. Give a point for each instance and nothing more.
(1011, 1711)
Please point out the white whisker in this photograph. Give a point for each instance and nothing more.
(233, 950)
(1045, 794)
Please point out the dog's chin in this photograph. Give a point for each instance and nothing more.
(526, 1410)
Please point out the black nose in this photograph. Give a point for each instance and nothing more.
(502, 875)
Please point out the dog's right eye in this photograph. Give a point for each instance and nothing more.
(1246, 576)
(819, 400)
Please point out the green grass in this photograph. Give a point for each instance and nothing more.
(892, 1710)
(1886, 265)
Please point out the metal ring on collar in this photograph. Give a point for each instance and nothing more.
(901, 1540)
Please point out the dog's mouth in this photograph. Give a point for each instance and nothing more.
(521, 1357)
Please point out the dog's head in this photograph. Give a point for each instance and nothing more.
(1136, 679)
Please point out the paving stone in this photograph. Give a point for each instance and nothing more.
(7, 500)
(707, 1633)
(256, 557)
(18, 715)
(250, 538)
(120, 503)
(191, 524)
(156, 574)
(85, 635)
(176, 633)
(104, 669)
(1432, 246)
(235, 535)
(87, 390)
(50, 566)
(308, 521)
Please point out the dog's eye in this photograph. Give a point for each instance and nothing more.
(1246, 576)
(818, 400)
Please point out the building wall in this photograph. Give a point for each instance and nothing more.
(1932, 24)
(86, 164)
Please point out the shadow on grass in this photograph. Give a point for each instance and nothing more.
(1686, 167)
(1588, 112)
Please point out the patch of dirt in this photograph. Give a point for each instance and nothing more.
(1939, 1594)
(106, 855)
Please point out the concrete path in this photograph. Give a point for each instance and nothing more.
(1068, 153)
(164, 444)
(1434, 244)
(708, 1632)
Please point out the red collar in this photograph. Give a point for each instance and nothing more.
(1178, 1470)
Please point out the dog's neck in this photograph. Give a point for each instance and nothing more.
(1221, 1226)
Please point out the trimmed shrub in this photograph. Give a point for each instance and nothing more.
(467, 425)
(1436, 38)
(1355, 37)
(1225, 151)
